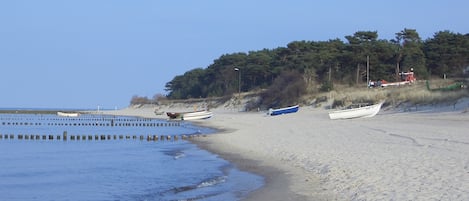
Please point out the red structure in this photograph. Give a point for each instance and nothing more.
(408, 76)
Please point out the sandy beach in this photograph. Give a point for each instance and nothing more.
(400, 154)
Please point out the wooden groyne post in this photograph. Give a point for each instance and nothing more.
(97, 137)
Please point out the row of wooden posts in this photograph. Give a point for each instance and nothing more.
(111, 124)
(66, 137)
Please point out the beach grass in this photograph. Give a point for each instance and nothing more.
(416, 93)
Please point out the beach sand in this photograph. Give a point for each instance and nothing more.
(245, 140)
(421, 154)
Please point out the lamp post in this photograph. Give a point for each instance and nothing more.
(239, 85)
(367, 71)
(239, 80)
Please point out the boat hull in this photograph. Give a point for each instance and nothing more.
(190, 115)
(395, 83)
(196, 115)
(361, 112)
(66, 114)
(286, 110)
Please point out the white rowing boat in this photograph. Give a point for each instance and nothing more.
(196, 115)
(204, 114)
(68, 114)
(359, 112)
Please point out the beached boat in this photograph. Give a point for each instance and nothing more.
(174, 115)
(204, 114)
(285, 110)
(358, 112)
(196, 115)
(406, 79)
(68, 114)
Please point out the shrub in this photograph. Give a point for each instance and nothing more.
(137, 100)
(286, 90)
(327, 86)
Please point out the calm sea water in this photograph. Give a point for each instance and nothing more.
(131, 169)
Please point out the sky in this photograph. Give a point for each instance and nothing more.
(100, 53)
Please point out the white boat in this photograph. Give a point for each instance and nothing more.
(395, 83)
(68, 114)
(196, 115)
(359, 112)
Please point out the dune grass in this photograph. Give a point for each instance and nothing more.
(417, 93)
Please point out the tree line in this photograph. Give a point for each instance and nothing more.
(322, 63)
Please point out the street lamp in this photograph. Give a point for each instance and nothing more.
(239, 80)
(239, 86)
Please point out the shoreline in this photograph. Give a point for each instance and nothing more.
(396, 155)
(273, 178)
(277, 181)
(282, 181)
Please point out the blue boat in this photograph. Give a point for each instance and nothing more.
(285, 110)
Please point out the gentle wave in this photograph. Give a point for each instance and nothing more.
(212, 182)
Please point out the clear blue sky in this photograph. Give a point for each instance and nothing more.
(85, 53)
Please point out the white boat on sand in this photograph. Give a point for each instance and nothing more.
(68, 114)
(358, 112)
(196, 115)
(204, 114)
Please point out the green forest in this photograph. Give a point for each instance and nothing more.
(311, 66)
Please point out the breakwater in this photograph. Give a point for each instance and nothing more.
(66, 137)
(92, 127)
(46, 120)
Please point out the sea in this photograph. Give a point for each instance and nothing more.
(99, 157)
